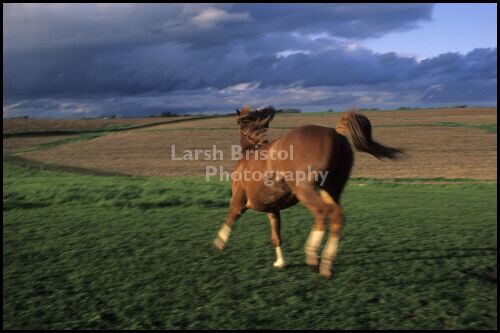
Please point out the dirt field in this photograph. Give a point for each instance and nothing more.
(40, 125)
(440, 143)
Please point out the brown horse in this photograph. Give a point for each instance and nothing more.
(307, 150)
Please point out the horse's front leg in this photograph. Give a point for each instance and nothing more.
(236, 208)
(274, 219)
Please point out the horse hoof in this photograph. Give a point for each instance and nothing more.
(219, 245)
(325, 274)
(279, 265)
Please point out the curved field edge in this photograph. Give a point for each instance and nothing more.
(112, 128)
(81, 135)
(360, 181)
(56, 141)
(83, 251)
(27, 163)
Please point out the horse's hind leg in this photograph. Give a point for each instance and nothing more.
(336, 220)
(236, 208)
(275, 220)
(321, 210)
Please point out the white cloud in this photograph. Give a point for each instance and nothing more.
(240, 87)
(210, 17)
(286, 53)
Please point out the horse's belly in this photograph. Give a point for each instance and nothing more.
(271, 198)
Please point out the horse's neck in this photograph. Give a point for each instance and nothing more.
(246, 144)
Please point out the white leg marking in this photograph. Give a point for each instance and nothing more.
(224, 233)
(221, 240)
(280, 261)
(329, 254)
(312, 245)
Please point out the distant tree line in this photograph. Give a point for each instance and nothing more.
(461, 106)
(288, 111)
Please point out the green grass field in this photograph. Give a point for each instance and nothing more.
(84, 251)
(489, 128)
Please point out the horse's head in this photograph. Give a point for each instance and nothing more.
(243, 111)
(254, 123)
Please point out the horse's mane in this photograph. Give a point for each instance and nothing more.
(254, 124)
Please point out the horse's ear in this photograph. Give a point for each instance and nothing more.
(238, 112)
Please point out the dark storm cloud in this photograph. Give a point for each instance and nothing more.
(141, 59)
(206, 25)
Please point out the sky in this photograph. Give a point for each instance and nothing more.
(453, 28)
(136, 60)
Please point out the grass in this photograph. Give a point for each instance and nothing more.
(55, 143)
(112, 127)
(108, 128)
(52, 144)
(86, 252)
(490, 128)
(432, 180)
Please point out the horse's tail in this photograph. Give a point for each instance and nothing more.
(360, 131)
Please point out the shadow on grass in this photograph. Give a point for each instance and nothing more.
(448, 254)
(429, 249)
(488, 275)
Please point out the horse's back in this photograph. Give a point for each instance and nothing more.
(318, 147)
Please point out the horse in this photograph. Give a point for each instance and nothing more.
(308, 148)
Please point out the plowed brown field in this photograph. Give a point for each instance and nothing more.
(434, 149)
(21, 125)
